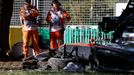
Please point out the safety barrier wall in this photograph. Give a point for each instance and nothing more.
(83, 34)
(15, 35)
(44, 36)
(73, 34)
(79, 34)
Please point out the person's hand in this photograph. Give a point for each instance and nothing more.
(34, 12)
(66, 16)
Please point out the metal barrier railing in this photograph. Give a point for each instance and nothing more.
(80, 35)
(83, 35)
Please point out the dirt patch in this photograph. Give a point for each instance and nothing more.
(10, 65)
(14, 65)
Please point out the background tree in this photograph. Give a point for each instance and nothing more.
(6, 8)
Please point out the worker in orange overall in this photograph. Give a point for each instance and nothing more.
(28, 15)
(56, 17)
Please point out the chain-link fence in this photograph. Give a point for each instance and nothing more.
(83, 12)
(15, 20)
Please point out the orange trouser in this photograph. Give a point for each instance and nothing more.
(54, 37)
(27, 34)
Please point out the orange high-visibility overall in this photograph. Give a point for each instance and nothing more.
(57, 20)
(29, 29)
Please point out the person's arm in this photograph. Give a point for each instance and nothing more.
(23, 14)
(66, 15)
(48, 18)
(35, 13)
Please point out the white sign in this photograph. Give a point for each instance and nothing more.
(120, 7)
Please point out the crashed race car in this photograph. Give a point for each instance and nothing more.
(119, 56)
(114, 58)
(111, 58)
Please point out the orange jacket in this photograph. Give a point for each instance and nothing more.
(64, 14)
(34, 13)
